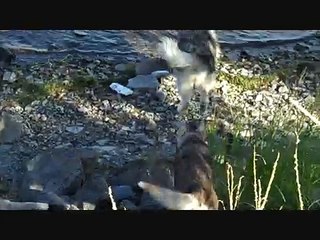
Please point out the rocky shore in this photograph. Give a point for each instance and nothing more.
(68, 140)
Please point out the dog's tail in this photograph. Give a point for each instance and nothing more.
(214, 39)
(172, 200)
(169, 50)
(213, 35)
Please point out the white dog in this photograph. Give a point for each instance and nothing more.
(193, 60)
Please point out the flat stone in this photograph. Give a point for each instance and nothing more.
(143, 82)
(74, 129)
(56, 173)
(9, 77)
(148, 66)
(104, 149)
(128, 67)
(93, 190)
(80, 33)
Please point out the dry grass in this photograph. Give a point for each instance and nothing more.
(296, 169)
(114, 205)
(260, 202)
(235, 191)
(233, 200)
(281, 173)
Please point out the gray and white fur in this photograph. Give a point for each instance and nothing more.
(195, 70)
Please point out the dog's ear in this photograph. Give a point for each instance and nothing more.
(193, 125)
(197, 125)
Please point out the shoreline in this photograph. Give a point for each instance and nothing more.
(134, 45)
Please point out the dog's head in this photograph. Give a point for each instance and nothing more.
(190, 133)
(186, 129)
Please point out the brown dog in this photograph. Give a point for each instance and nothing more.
(193, 182)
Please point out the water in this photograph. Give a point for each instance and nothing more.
(124, 44)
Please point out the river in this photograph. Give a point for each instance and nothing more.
(118, 44)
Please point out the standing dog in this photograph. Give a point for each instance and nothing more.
(193, 59)
(193, 181)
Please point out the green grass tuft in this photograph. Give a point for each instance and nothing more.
(283, 192)
(29, 92)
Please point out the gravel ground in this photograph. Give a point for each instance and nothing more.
(125, 129)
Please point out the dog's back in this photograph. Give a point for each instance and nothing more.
(193, 60)
(192, 48)
(192, 172)
(193, 183)
(203, 44)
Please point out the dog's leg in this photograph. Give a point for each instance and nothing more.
(185, 89)
(206, 88)
(185, 98)
(204, 100)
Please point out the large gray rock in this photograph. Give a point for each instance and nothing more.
(9, 77)
(147, 66)
(157, 171)
(95, 189)
(10, 129)
(57, 173)
(6, 57)
(122, 192)
(143, 82)
(122, 67)
(154, 169)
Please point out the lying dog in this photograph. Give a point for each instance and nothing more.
(193, 181)
(193, 59)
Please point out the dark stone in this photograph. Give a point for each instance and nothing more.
(56, 173)
(10, 130)
(95, 189)
(147, 66)
(143, 82)
(6, 57)
(122, 192)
